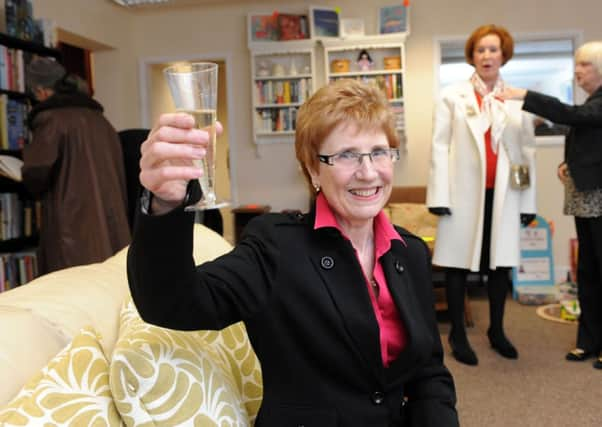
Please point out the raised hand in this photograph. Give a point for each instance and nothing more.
(166, 164)
(510, 92)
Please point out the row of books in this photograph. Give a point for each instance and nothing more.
(19, 20)
(282, 91)
(390, 84)
(276, 119)
(18, 218)
(17, 269)
(398, 111)
(12, 68)
(14, 133)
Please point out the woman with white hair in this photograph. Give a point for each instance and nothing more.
(581, 174)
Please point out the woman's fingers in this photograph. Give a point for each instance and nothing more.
(169, 155)
(158, 152)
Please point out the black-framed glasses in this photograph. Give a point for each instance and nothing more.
(352, 159)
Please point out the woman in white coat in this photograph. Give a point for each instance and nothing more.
(476, 137)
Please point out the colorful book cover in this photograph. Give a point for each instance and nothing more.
(393, 19)
(12, 123)
(325, 23)
(264, 28)
(291, 27)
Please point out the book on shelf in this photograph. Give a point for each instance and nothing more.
(10, 167)
(17, 269)
(19, 20)
(45, 32)
(292, 27)
(282, 92)
(10, 17)
(264, 27)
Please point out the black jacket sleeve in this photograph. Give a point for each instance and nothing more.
(588, 114)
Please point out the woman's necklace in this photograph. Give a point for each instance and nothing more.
(375, 287)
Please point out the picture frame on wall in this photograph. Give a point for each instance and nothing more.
(352, 27)
(292, 27)
(393, 19)
(263, 27)
(323, 22)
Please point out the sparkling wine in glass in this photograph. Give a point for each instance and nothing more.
(193, 88)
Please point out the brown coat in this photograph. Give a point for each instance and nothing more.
(74, 164)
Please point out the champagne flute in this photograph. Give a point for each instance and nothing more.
(193, 87)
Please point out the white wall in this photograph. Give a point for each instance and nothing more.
(269, 175)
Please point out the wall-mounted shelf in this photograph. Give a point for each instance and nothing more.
(387, 54)
(283, 77)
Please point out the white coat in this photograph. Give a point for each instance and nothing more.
(457, 180)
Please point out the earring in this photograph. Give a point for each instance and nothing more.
(316, 187)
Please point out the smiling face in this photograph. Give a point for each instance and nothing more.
(356, 195)
(487, 57)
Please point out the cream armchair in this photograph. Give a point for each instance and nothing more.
(73, 351)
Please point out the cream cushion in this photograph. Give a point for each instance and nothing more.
(72, 390)
(163, 377)
(71, 298)
(26, 340)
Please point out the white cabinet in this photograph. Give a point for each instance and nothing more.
(283, 77)
(385, 69)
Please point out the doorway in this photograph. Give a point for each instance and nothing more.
(158, 100)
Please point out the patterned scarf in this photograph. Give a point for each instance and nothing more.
(494, 108)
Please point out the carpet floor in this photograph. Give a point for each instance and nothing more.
(538, 389)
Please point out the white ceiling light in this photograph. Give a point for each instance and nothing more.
(133, 3)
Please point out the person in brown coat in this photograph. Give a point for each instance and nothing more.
(74, 164)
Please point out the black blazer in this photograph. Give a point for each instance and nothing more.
(583, 145)
(306, 307)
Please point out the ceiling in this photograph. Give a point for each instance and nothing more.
(181, 3)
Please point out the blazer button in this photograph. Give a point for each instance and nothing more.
(400, 268)
(327, 262)
(378, 398)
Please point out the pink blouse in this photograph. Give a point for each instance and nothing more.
(393, 336)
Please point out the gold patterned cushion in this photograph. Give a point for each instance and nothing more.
(72, 390)
(164, 377)
(236, 354)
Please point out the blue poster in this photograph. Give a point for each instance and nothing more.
(393, 19)
(535, 273)
(326, 23)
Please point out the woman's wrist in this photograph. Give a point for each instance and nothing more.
(160, 206)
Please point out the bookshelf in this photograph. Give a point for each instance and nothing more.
(284, 73)
(18, 211)
(386, 71)
(282, 78)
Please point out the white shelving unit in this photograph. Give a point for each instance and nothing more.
(381, 49)
(282, 78)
